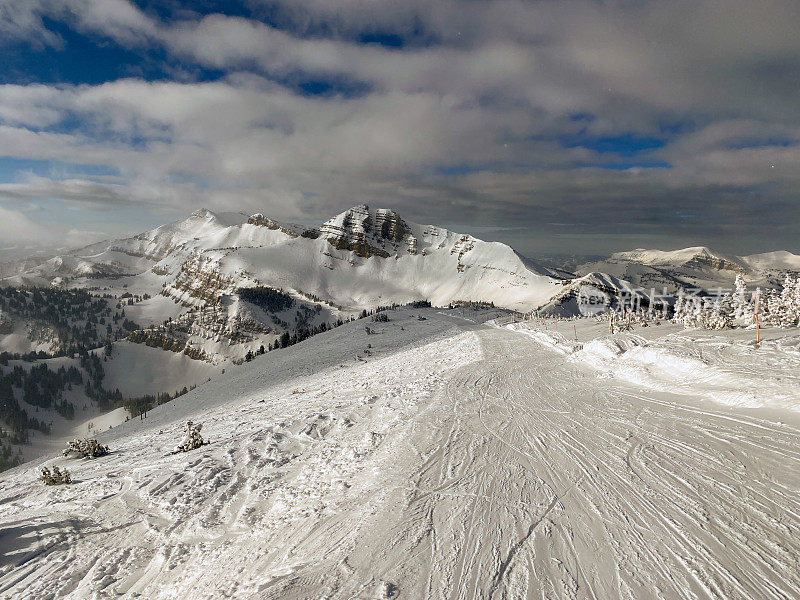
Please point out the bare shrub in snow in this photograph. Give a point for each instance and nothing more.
(387, 590)
(192, 438)
(55, 477)
(85, 448)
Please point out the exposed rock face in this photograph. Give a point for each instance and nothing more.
(199, 281)
(261, 221)
(390, 226)
(172, 341)
(707, 260)
(369, 233)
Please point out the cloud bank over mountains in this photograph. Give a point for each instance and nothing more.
(554, 125)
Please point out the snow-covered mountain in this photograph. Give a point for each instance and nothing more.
(199, 284)
(773, 261)
(214, 287)
(697, 266)
(360, 258)
(594, 293)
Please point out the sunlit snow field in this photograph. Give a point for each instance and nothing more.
(440, 458)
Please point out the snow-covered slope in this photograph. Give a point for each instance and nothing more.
(727, 368)
(452, 460)
(773, 261)
(698, 256)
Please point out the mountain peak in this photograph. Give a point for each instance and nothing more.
(369, 232)
(204, 213)
(667, 257)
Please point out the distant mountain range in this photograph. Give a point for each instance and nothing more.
(693, 267)
(194, 272)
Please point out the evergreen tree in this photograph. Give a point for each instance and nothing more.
(192, 438)
(743, 308)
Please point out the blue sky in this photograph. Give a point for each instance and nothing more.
(628, 124)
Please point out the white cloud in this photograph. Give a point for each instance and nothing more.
(492, 93)
(16, 227)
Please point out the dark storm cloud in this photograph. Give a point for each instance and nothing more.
(626, 118)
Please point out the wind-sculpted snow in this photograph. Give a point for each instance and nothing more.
(447, 460)
(722, 368)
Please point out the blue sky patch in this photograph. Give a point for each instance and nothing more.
(387, 40)
(762, 143)
(624, 166)
(11, 169)
(628, 144)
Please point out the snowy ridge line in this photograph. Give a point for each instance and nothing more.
(360, 258)
(280, 466)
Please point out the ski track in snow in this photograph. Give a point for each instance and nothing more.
(477, 464)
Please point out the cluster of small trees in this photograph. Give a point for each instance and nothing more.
(71, 320)
(85, 448)
(8, 458)
(91, 448)
(707, 312)
(266, 298)
(55, 477)
(474, 304)
(780, 309)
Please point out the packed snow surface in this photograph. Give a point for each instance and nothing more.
(436, 458)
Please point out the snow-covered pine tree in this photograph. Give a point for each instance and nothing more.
(772, 309)
(795, 300)
(85, 448)
(743, 309)
(693, 316)
(677, 315)
(789, 303)
(719, 316)
(702, 308)
(192, 438)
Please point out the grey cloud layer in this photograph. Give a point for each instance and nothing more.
(464, 128)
